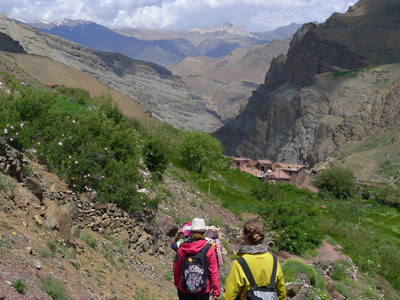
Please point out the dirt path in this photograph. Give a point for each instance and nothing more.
(327, 252)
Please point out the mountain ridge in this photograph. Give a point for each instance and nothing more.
(161, 47)
(150, 85)
(293, 116)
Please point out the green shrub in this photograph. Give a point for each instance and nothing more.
(5, 224)
(54, 288)
(155, 157)
(27, 171)
(295, 228)
(320, 283)
(94, 149)
(19, 286)
(396, 283)
(338, 181)
(275, 249)
(330, 240)
(45, 253)
(388, 193)
(122, 248)
(339, 272)
(341, 288)
(74, 95)
(318, 294)
(200, 151)
(89, 239)
(53, 248)
(293, 267)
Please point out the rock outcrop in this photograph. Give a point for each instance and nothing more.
(312, 103)
(8, 44)
(11, 160)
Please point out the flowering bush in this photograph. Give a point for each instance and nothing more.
(94, 150)
(317, 294)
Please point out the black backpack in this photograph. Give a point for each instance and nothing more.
(194, 271)
(260, 292)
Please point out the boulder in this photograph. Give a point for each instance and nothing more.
(51, 222)
(292, 288)
(75, 231)
(98, 221)
(145, 237)
(105, 223)
(73, 210)
(124, 237)
(134, 237)
(100, 206)
(65, 224)
(166, 224)
(54, 188)
(38, 219)
(34, 186)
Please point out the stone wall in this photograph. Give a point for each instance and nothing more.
(73, 214)
(107, 219)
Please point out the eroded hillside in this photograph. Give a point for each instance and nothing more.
(148, 84)
(296, 116)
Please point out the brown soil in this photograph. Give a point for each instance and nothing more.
(327, 252)
(49, 71)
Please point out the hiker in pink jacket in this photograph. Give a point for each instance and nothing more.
(191, 247)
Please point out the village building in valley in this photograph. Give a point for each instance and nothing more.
(273, 172)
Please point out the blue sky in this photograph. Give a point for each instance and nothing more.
(252, 15)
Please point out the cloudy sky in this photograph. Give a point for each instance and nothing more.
(252, 15)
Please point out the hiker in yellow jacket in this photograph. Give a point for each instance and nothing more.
(260, 262)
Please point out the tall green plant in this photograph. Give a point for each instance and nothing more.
(295, 228)
(155, 157)
(201, 152)
(338, 181)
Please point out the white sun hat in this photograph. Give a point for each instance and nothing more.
(198, 225)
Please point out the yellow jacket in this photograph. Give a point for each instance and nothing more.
(261, 268)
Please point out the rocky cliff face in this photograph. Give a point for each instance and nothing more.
(150, 85)
(300, 116)
(8, 44)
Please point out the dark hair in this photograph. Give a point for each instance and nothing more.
(254, 231)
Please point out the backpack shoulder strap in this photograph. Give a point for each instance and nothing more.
(205, 249)
(247, 271)
(273, 276)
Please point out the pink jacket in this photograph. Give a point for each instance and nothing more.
(193, 247)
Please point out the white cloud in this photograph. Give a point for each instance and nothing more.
(253, 15)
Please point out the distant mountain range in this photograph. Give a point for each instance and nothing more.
(54, 59)
(226, 83)
(161, 46)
